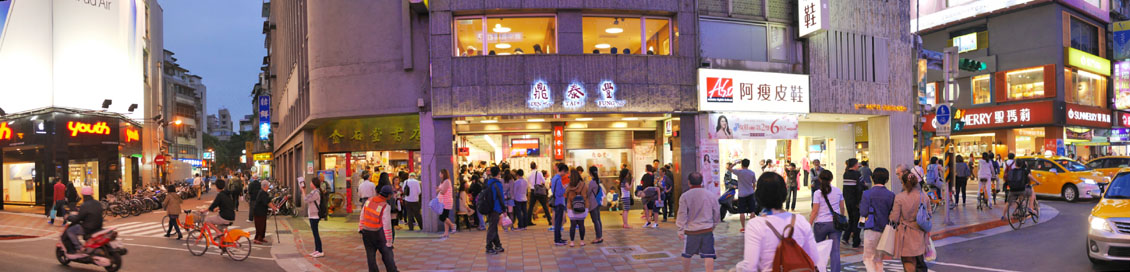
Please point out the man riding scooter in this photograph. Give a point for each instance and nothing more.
(88, 219)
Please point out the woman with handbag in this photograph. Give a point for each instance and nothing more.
(827, 215)
(910, 239)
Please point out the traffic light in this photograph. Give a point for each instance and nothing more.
(971, 65)
(958, 124)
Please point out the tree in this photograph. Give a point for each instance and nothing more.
(226, 153)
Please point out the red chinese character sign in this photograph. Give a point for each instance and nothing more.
(813, 16)
(540, 97)
(558, 142)
(755, 91)
(575, 95)
(607, 97)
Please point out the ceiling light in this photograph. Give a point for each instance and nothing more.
(489, 121)
(502, 46)
(461, 122)
(536, 120)
(584, 119)
(499, 29)
(630, 118)
(603, 46)
(613, 30)
(503, 54)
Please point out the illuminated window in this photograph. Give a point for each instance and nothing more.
(505, 35)
(627, 35)
(1025, 83)
(1085, 88)
(982, 90)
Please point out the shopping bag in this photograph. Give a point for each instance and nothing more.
(931, 252)
(505, 220)
(887, 241)
(823, 254)
(436, 206)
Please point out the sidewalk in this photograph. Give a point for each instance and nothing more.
(634, 249)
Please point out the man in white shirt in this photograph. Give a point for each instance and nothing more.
(367, 189)
(412, 202)
(196, 183)
(539, 194)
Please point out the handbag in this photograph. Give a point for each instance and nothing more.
(436, 206)
(839, 221)
(931, 252)
(887, 241)
(823, 253)
(505, 220)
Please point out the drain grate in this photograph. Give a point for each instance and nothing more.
(624, 250)
(650, 256)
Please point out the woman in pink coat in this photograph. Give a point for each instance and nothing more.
(910, 240)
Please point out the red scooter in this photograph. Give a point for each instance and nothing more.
(101, 249)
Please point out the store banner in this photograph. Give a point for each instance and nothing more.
(1074, 133)
(1088, 116)
(1121, 78)
(400, 132)
(709, 165)
(1014, 115)
(1121, 33)
(751, 126)
(747, 91)
(1119, 135)
(1088, 62)
(1123, 118)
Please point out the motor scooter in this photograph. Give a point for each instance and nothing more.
(101, 248)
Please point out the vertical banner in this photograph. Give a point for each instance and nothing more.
(558, 142)
(264, 117)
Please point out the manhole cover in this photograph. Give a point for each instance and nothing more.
(14, 237)
(650, 256)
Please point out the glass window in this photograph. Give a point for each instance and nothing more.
(1073, 166)
(729, 40)
(1085, 88)
(505, 35)
(778, 43)
(982, 89)
(1025, 84)
(1097, 163)
(1084, 36)
(658, 36)
(612, 35)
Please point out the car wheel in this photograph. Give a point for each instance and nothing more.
(1070, 193)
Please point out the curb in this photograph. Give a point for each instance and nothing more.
(286, 251)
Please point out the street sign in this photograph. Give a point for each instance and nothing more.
(942, 114)
(159, 160)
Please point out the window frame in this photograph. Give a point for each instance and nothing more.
(483, 21)
(789, 36)
(973, 89)
(643, 31)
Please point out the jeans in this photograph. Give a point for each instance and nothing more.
(521, 216)
(260, 227)
(667, 210)
(534, 199)
(558, 220)
(790, 198)
(413, 215)
(479, 219)
(959, 189)
(573, 226)
(173, 224)
(375, 241)
(853, 195)
(824, 231)
(597, 225)
(493, 242)
(72, 234)
(318, 238)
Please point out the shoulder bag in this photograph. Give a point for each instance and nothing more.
(839, 221)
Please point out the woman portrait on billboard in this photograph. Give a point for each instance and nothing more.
(722, 128)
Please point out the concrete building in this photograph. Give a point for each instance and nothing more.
(1046, 86)
(247, 124)
(222, 128)
(213, 124)
(185, 96)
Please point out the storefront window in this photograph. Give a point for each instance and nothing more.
(982, 90)
(505, 35)
(1084, 37)
(1085, 88)
(1025, 84)
(1028, 140)
(625, 35)
(19, 182)
(733, 40)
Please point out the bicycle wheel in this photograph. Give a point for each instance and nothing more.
(165, 222)
(1036, 215)
(196, 242)
(241, 250)
(1015, 216)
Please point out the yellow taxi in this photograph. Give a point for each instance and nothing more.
(1109, 165)
(1109, 236)
(1064, 177)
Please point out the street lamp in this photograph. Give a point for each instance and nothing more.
(177, 122)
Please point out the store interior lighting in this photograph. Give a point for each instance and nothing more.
(489, 121)
(536, 120)
(630, 118)
(502, 45)
(498, 28)
(584, 119)
(613, 30)
(603, 46)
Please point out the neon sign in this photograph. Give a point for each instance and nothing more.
(540, 97)
(608, 95)
(575, 95)
(5, 132)
(96, 128)
(132, 135)
(558, 142)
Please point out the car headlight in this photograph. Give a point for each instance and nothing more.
(1089, 181)
(1099, 223)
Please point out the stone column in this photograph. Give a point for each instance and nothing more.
(436, 138)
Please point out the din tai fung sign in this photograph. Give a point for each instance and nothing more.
(400, 132)
(575, 94)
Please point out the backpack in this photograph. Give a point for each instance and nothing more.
(789, 255)
(1016, 179)
(407, 192)
(578, 204)
(923, 218)
(600, 194)
(323, 212)
(485, 201)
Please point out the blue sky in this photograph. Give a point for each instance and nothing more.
(222, 42)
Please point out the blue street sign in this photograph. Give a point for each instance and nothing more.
(942, 114)
(933, 58)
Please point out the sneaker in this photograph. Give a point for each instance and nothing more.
(491, 252)
(655, 226)
(500, 250)
(249, 220)
(312, 254)
(559, 243)
(647, 225)
(318, 254)
(50, 222)
(443, 238)
(571, 244)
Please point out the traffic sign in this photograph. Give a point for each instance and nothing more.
(942, 114)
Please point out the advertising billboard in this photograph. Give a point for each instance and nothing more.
(72, 54)
(1121, 79)
(748, 91)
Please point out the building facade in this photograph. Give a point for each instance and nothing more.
(1046, 86)
(186, 95)
(220, 125)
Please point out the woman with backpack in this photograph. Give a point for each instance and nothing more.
(595, 192)
(777, 238)
(828, 205)
(578, 200)
(910, 238)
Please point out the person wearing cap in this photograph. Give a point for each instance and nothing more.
(260, 204)
(376, 230)
(412, 206)
(88, 219)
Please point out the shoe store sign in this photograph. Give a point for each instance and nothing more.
(747, 91)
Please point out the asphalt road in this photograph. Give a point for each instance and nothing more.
(148, 249)
(1056, 245)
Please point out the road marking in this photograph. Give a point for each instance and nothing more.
(215, 252)
(974, 267)
(125, 224)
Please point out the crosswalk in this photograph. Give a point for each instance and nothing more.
(153, 229)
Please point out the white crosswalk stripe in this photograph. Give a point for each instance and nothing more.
(154, 229)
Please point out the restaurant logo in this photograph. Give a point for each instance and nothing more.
(96, 128)
(539, 98)
(575, 95)
(608, 96)
(1072, 114)
(721, 89)
(5, 132)
(558, 142)
(132, 135)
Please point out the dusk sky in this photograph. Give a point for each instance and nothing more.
(222, 42)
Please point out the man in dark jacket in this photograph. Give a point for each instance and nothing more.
(252, 194)
(87, 220)
(224, 204)
(259, 207)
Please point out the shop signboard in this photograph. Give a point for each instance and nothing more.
(812, 16)
(607, 97)
(264, 117)
(1121, 33)
(1088, 116)
(540, 96)
(1124, 119)
(575, 95)
(265, 156)
(748, 91)
(1121, 78)
(558, 142)
(1013, 115)
(193, 162)
(1086, 61)
(400, 132)
(752, 126)
(5, 132)
(1119, 135)
(1077, 133)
